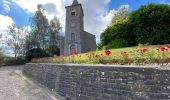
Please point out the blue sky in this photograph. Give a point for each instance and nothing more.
(134, 4)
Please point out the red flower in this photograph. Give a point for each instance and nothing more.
(168, 47)
(107, 52)
(163, 49)
(145, 50)
(142, 50)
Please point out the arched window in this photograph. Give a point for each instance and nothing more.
(73, 36)
(73, 49)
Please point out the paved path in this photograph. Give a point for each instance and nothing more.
(14, 86)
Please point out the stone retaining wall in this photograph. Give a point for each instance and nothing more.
(88, 82)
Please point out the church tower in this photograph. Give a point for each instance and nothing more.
(74, 28)
(76, 40)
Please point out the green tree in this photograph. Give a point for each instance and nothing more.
(147, 25)
(31, 41)
(16, 39)
(54, 37)
(54, 29)
(123, 12)
(151, 24)
(40, 27)
(118, 34)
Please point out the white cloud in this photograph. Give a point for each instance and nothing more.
(162, 1)
(6, 8)
(6, 2)
(28, 28)
(5, 5)
(97, 16)
(5, 21)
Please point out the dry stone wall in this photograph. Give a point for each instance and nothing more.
(97, 82)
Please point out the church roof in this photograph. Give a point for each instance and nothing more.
(75, 2)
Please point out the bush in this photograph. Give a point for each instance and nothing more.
(36, 53)
(1, 57)
(13, 61)
(117, 43)
(53, 50)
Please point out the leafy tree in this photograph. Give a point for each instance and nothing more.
(54, 37)
(147, 25)
(16, 39)
(31, 41)
(54, 29)
(151, 24)
(123, 12)
(118, 34)
(40, 27)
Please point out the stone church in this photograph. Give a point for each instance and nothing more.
(76, 40)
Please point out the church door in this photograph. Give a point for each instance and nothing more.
(73, 49)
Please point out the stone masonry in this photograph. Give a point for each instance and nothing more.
(76, 40)
(101, 82)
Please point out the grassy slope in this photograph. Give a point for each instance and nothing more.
(115, 53)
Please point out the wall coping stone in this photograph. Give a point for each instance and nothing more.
(103, 65)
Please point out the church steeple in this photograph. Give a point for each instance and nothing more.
(75, 2)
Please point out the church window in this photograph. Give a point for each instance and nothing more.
(73, 13)
(73, 37)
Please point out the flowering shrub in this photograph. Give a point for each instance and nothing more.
(159, 55)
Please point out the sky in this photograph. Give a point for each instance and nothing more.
(98, 13)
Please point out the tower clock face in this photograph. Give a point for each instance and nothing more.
(73, 24)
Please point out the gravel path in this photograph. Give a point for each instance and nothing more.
(14, 86)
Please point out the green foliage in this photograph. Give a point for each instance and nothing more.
(118, 35)
(14, 61)
(118, 43)
(148, 25)
(99, 46)
(44, 32)
(1, 56)
(123, 12)
(54, 28)
(53, 50)
(36, 53)
(16, 40)
(151, 24)
(40, 27)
